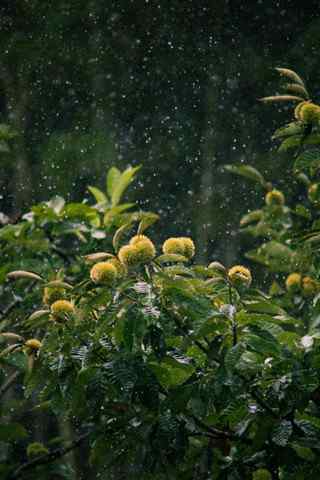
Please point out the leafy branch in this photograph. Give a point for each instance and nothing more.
(48, 457)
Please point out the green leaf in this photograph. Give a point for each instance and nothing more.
(81, 211)
(113, 177)
(294, 128)
(119, 233)
(233, 356)
(12, 432)
(263, 306)
(275, 255)
(111, 214)
(302, 211)
(171, 373)
(308, 161)
(264, 346)
(119, 184)
(171, 258)
(147, 220)
(289, 143)
(295, 141)
(98, 195)
(282, 433)
(248, 172)
(251, 217)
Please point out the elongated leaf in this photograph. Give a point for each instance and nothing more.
(295, 141)
(263, 346)
(171, 258)
(290, 142)
(80, 211)
(147, 220)
(248, 172)
(275, 255)
(171, 373)
(293, 128)
(97, 257)
(120, 184)
(11, 336)
(264, 307)
(251, 217)
(281, 98)
(297, 88)
(98, 194)
(10, 349)
(233, 356)
(113, 212)
(38, 314)
(119, 233)
(286, 72)
(24, 274)
(308, 161)
(59, 284)
(282, 433)
(113, 177)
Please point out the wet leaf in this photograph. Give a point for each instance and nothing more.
(282, 433)
(99, 196)
(24, 274)
(248, 172)
(120, 183)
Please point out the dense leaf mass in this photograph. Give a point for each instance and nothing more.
(159, 366)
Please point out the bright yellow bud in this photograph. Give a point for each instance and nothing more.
(297, 110)
(33, 344)
(309, 286)
(240, 276)
(293, 282)
(104, 273)
(138, 238)
(61, 308)
(309, 113)
(275, 197)
(179, 246)
(142, 251)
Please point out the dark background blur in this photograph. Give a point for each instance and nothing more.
(170, 84)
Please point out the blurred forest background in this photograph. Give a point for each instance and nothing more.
(171, 85)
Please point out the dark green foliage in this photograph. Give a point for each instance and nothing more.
(174, 370)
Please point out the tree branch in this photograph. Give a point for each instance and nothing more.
(254, 393)
(214, 432)
(47, 458)
(185, 332)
